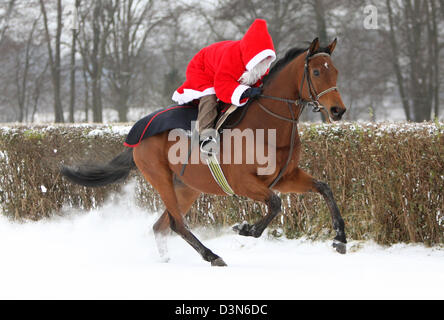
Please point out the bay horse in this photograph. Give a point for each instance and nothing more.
(303, 77)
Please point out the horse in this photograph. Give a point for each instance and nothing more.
(304, 77)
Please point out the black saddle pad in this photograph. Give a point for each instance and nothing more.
(173, 117)
(177, 117)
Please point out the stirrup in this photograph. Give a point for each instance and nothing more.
(206, 141)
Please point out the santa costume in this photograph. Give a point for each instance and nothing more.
(225, 68)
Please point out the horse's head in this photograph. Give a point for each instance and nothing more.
(320, 81)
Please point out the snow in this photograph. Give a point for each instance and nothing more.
(110, 253)
(120, 130)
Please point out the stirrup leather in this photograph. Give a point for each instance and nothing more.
(218, 175)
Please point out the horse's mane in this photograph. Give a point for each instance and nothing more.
(290, 55)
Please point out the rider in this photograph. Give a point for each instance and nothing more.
(230, 71)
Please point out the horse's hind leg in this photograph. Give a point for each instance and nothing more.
(175, 217)
(299, 182)
(160, 229)
(156, 171)
(185, 197)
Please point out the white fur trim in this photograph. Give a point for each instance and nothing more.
(190, 94)
(250, 77)
(237, 93)
(259, 57)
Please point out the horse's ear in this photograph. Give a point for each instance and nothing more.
(313, 47)
(331, 47)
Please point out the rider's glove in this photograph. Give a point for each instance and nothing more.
(252, 92)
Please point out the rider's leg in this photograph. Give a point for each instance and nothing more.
(206, 117)
(207, 112)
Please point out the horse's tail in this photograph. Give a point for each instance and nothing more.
(92, 175)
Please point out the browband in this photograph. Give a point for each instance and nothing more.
(319, 54)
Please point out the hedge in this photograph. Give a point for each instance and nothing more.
(387, 178)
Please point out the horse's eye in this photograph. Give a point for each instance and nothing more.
(316, 72)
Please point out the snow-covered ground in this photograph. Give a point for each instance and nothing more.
(110, 253)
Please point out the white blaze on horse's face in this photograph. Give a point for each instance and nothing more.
(326, 65)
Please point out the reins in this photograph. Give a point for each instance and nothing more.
(294, 125)
(313, 103)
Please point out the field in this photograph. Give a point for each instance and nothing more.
(110, 253)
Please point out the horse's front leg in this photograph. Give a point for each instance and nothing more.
(273, 203)
(299, 181)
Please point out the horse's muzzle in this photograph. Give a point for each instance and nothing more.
(337, 112)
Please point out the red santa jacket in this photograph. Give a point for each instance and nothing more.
(217, 68)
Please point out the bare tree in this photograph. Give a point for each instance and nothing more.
(134, 53)
(414, 38)
(285, 19)
(95, 30)
(321, 24)
(54, 57)
(23, 58)
(4, 19)
(434, 43)
(74, 31)
(132, 24)
(21, 78)
(36, 94)
(178, 46)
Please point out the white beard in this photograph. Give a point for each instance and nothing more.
(251, 77)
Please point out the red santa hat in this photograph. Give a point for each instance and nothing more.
(257, 44)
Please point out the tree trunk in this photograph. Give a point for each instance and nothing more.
(436, 80)
(96, 70)
(321, 25)
(73, 62)
(57, 68)
(85, 81)
(395, 63)
(72, 90)
(122, 107)
(54, 59)
(97, 100)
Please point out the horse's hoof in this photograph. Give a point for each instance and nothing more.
(247, 230)
(218, 263)
(241, 227)
(340, 247)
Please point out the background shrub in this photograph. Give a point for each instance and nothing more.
(387, 178)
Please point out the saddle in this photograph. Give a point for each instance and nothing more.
(181, 116)
(228, 116)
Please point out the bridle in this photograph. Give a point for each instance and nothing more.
(313, 103)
